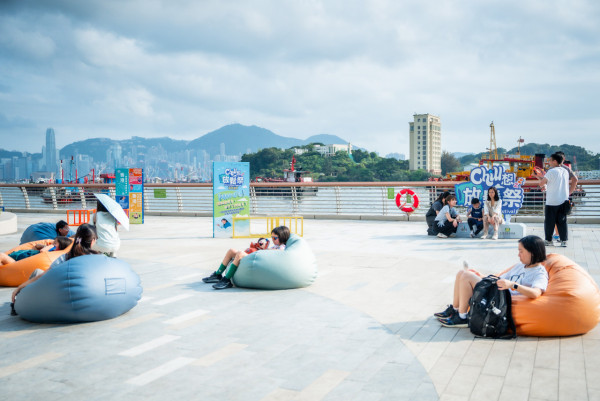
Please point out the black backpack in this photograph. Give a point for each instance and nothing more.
(490, 310)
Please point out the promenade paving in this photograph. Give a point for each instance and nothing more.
(363, 331)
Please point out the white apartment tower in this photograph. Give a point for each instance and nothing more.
(426, 143)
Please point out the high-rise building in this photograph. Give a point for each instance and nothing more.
(50, 153)
(426, 143)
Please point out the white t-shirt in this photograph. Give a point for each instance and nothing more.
(281, 247)
(108, 238)
(557, 188)
(534, 277)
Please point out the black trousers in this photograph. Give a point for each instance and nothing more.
(430, 223)
(556, 216)
(447, 229)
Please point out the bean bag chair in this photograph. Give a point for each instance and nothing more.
(38, 231)
(294, 267)
(570, 305)
(16, 273)
(83, 289)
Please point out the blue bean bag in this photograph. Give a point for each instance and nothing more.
(83, 289)
(295, 267)
(39, 231)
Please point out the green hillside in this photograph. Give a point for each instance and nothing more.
(585, 159)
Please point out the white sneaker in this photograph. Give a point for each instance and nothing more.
(440, 235)
(495, 236)
(484, 236)
(472, 234)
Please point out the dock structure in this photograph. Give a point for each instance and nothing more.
(363, 331)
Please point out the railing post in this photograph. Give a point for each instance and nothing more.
(294, 201)
(383, 200)
(82, 196)
(338, 203)
(253, 206)
(54, 200)
(179, 199)
(26, 196)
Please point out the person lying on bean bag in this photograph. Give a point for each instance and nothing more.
(84, 239)
(60, 243)
(279, 235)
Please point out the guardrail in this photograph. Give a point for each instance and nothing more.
(346, 200)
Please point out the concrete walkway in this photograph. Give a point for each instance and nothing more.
(363, 331)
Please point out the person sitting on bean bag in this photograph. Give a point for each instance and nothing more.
(59, 244)
(528, 278)
(279, 235)
(84, 239)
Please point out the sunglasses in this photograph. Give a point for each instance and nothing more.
(274, 238)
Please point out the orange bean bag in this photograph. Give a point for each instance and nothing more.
(570, 305)
(14, 274)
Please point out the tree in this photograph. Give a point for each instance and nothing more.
(449, 163)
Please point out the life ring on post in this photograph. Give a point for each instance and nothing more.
(411, 200)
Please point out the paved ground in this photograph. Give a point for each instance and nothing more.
(363, 331)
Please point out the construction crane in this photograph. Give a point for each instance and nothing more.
(493, 150)
(519, 142)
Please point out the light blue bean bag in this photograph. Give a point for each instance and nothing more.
(83, 289)
(38, 231)
(295, 267)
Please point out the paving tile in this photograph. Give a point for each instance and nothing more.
(369, 314)
(544, 384)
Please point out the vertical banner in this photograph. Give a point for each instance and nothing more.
(136, 196)
(231, 197)
(122, 187)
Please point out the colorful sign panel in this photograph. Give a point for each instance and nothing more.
(136, 196)
(129, 190)
(482, 178)
(231, 197)
(122, 187)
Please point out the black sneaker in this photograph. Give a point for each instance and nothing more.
(213, 278)
(223, 284)
(454, 321)
(448, 312)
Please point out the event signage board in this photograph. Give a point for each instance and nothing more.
(129, 192)
(122, 187)
(231, 197)
(136, 196)
(482, 178)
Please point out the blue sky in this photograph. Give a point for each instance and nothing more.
(356, 69)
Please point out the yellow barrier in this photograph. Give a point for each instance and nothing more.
(293, 223)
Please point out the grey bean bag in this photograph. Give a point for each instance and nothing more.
(294, 267)
(83, 289)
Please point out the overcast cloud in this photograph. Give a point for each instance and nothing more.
(356, 69)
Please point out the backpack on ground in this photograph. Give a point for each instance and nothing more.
(490, 310)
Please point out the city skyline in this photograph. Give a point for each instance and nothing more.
(356, 70)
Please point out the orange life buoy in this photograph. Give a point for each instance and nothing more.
(411, 200)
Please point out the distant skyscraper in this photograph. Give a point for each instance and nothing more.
(51, 164)
(222, 149)
(426, 143)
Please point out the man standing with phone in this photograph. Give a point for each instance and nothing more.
(557, 207)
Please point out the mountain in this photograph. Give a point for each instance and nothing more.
(236, 137)
(580, 158)
(239, 138)
(325, 139)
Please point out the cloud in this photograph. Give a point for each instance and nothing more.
(355, 69)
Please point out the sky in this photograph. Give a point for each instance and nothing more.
(356, 69)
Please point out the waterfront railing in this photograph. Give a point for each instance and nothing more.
(344, 200)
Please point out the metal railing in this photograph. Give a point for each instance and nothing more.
(327, 200)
